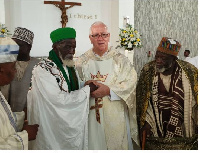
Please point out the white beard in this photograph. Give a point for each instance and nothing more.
(163, 69)
(160, 70)
(67, 62)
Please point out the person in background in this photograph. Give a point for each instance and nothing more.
(186, 55)
(14, 134)
(167, 95)
(112, 116)
(16, 91)
(55, 100)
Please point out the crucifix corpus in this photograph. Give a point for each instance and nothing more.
(61, 5)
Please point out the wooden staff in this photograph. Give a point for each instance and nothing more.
(143, 139)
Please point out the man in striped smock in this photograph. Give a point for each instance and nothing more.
(167, 94)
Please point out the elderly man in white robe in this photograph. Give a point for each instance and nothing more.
(14, 134)
(112, 117)
(55, 101)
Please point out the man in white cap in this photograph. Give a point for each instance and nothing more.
(16, 92)
(13, 134)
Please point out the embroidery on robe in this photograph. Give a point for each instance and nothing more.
(170, 105)
(96, 107)
(102, 78)
(8, 112)
(99, 77)
(50, 66)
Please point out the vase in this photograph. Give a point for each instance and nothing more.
(129, 54)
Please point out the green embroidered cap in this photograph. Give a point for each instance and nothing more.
(62, 33)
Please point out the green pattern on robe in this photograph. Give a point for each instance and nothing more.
(72, 82)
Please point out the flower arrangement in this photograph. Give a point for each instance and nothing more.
(4, 31)
(129, 38)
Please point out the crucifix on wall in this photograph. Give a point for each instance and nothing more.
(61, 5)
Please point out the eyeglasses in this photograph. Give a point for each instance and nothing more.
(103, 35)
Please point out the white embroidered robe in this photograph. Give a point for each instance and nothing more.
(115, 71)
(11, 136)
(62, 116)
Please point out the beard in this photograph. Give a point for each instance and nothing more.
(67, 62)
(163, 69)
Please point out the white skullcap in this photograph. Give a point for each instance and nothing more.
(8, 50)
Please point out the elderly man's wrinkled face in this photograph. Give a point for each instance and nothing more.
(65, 50)
(7, 73)
(163, 61)
(99, 38)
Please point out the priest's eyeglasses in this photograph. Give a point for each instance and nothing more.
(103, 35)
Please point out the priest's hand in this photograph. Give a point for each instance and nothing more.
(31, 130)
(101, 92)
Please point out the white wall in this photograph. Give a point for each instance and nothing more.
(126, 8)
(2, 12)
(43, 18)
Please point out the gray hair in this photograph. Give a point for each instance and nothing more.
(97, 23)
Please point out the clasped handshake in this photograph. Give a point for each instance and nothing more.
(97, 90)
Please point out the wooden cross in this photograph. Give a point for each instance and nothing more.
(96, 107)
(61, 6)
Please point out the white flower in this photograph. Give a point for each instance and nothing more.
(3, 30)
(130, 45)
(129, 38)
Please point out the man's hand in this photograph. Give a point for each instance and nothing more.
(89, 81)
(93, 87)
(31, 130)
(101, 92)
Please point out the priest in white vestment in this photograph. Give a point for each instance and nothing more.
(55, 101)
(112, 117)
